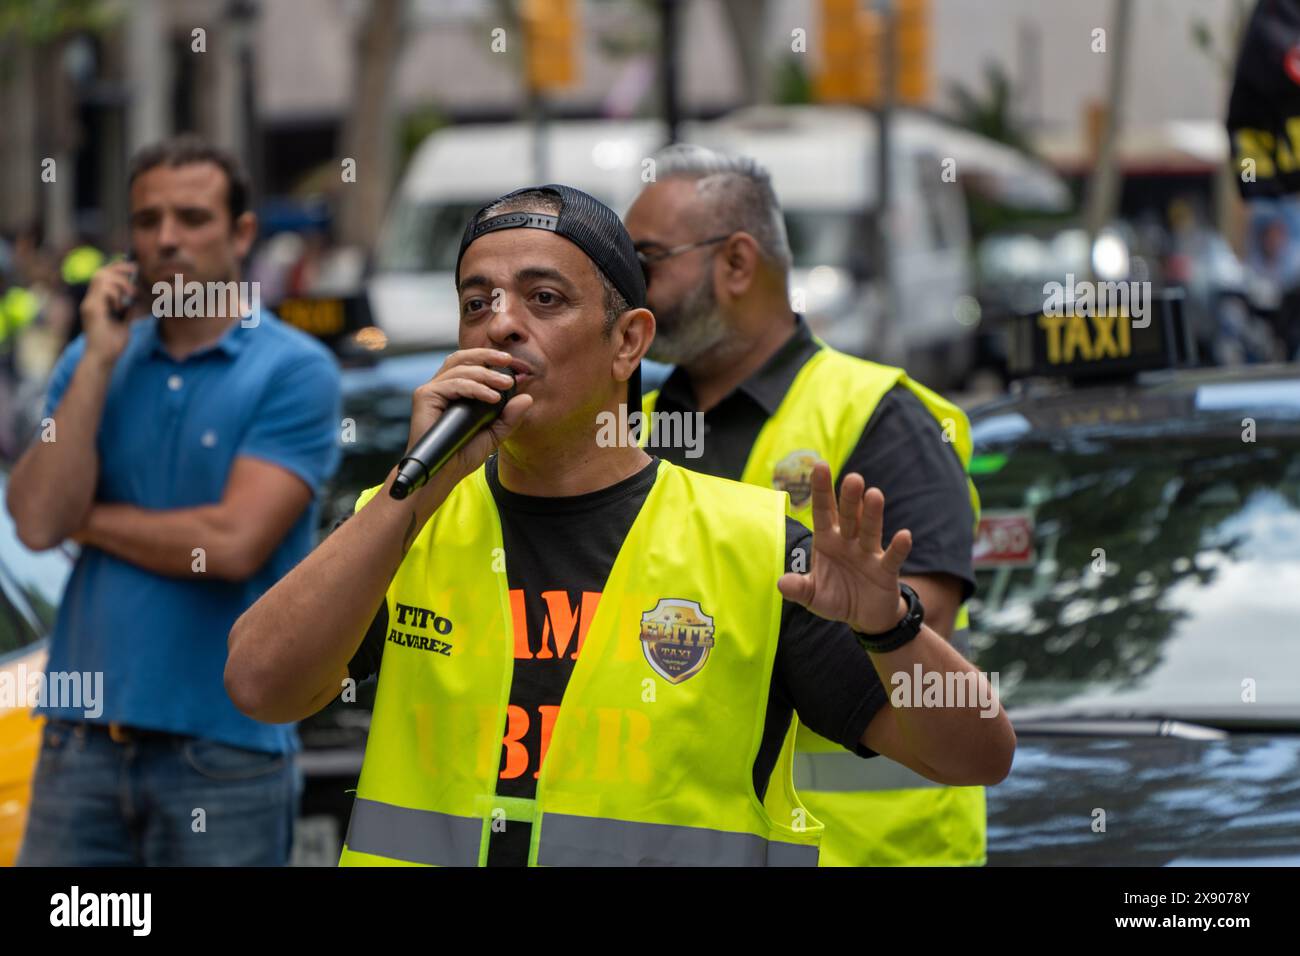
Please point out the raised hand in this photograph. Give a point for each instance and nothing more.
(851, 577)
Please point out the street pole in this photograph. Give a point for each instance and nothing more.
(243, 16)
(1103, 190)
(890, 328)
(668, 65)
(537, 110)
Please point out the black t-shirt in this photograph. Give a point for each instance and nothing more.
(901, 452)
(558, 555)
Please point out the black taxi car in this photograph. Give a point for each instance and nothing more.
(1138, 566)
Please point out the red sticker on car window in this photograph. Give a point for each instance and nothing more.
(1005, 539)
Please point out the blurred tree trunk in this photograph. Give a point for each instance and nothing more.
(369, 131)
(56, 137)
(747, 21)
(19, 156)
(33, 37)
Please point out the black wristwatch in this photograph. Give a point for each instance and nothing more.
(902, 632)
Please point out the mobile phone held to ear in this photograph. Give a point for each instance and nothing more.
(120, 313)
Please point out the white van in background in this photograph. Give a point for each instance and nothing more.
(823, 166)
(459, 169)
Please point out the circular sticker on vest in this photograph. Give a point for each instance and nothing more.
(676, 637)
(793, 475)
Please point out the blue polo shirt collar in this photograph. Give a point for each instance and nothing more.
(230, 344)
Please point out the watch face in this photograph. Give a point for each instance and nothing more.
(915, 611)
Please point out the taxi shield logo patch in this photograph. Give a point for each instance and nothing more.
(676, 637)
(793, 475)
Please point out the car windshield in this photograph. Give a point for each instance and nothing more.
(1022, 257)
(425, 236)
(31, 586)
(1165, 577)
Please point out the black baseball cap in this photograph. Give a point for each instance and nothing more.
(591, 226)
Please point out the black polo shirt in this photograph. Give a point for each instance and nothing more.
(901, 452)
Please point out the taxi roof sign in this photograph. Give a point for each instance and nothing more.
(329, 318)
(1097, 338)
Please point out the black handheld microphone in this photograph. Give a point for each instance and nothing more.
(462, 420)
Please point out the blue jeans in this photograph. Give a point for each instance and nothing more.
(96, 802)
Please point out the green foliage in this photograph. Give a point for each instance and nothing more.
(988, 216)
(415, 127)
(40, 21)
(792, 85)
(989, 111)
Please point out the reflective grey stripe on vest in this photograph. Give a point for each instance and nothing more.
(591, 841)
(417, 836)
(961, 641)
(849, 772)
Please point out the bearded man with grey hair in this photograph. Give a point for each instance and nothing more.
(775, 400)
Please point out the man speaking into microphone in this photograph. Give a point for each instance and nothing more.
(588, 656)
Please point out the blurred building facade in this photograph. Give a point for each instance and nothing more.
(276, 79)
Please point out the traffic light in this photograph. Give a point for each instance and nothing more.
(912, 51)
(551, 34)
(852, 51)
(848, 42)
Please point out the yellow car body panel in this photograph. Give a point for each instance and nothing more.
(20, 742)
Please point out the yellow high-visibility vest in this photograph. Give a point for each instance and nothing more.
(18, 309)
(80, 264)
(876, 812)
(651, 754)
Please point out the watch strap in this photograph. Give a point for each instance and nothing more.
(902, 632)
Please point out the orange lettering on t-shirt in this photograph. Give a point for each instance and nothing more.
(560, 621)
(516, 752)
(548, 712)
(519, 620)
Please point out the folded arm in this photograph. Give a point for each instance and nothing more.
(228, 540)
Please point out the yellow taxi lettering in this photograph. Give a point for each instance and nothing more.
(1285, 157)
(1052, 324)
(1257, 145)
(1105, 343)
(1076, 338)
(1293, 134)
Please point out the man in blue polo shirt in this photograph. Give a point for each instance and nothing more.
(184, 450)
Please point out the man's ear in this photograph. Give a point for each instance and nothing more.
(634, 331)
(738, 264)
(245, 232)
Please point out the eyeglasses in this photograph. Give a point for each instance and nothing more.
(648, 259)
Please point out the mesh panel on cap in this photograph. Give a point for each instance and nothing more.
(590, 225)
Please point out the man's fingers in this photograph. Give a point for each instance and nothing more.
(479, 373)
(797, 588)
(823, 499)
(120, 269)
(851, 489)
(512, 416)
(479, 357)
(899, 549)
(443, 390)
(873, 520)
(114, 288)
